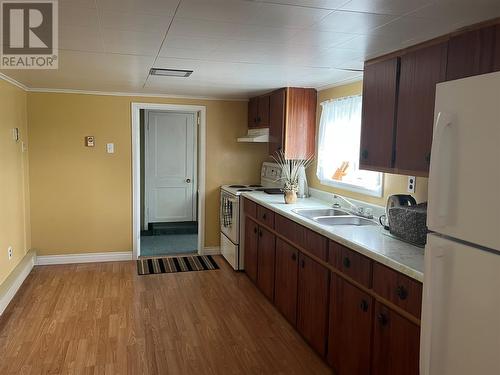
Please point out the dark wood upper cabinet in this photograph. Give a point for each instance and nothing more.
(471, 53)
(251, 243)
(312, 303)
(420, 71)
(265, 263)
(277, 121)
(285, 292)
(350, 328)
(396, 343)
(380, 85)
(258, 112)
(496, 58)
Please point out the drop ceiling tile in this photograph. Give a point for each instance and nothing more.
(373, 44)
(246, 12)
(80, 39)
(353, 22)
(78, 16)
(322, 4)
(277, 15)
(323, 39)
(154, 7)
(135, 22)
(78, 3)
(131, 42)
(412, 28)
(200, 44)
(394, 7)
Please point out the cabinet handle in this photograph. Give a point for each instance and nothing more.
(401, 292)
(294, 257)
(428, 158)
(364, 154)
(346, 262)
(382, 319)
(264, 216)
(364, 305)
(303, 264)
(260, 233)
(255, 230)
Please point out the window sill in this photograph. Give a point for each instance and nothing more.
(355, 188)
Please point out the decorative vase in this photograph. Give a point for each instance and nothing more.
(290, 196)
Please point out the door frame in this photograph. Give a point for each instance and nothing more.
(194, 208)
(199, 110)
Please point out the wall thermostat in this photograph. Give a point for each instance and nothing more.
(90, 141)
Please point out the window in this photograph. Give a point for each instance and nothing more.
(338, 148)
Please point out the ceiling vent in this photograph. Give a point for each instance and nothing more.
(170, 72)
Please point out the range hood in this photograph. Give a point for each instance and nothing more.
(256, 135)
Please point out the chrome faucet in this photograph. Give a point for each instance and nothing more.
(355, 210)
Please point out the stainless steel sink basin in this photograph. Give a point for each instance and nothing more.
(344, 220)
(312, 213)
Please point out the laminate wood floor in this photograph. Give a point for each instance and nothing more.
(103, 318)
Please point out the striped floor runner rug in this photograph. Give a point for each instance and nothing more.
(153, 266)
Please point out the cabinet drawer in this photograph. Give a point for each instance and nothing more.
(314, 243)
(398, 288)
(265, 216)
(289, 229)
(250, 207)
(353, 264)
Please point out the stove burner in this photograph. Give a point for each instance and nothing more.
(245, 190)
(257, 186)
(261, 189)
(237, 186)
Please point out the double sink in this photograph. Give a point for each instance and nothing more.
(333, 216)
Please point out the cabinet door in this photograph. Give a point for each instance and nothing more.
(265, 263)
(378, 114)
(251, 240)
(496, 59)
(276, 121)
(300, 122)
(312, 301)
(253, 112)
(471, 53)
(349, 339)
(285, 285)
(263, 111)
(421, 70)
(396, 343)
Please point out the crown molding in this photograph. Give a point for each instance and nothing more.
(13, 82)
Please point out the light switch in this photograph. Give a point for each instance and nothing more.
(110, 148)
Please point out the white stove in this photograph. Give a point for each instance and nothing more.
(230, 211)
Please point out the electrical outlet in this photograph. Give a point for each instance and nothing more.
(10, 252)
(412, 180)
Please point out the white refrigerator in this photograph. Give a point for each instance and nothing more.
(461, 305)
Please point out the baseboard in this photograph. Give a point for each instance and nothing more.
(211, 250)
(16, 278)
(45, 260)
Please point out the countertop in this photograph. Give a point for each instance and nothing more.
(367, 240)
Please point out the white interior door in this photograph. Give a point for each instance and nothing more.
(170, 167)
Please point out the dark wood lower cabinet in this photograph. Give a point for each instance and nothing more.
(312, 302)
(265, 263)
(350, 328)
(251, 242)
(285, 290)
(396, 343)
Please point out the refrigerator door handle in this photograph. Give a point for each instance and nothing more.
(440, 170)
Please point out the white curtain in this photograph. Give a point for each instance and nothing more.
(339, 134)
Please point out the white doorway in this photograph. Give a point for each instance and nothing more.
(168, 176)
(170, 167)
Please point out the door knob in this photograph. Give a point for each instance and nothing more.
(188, 180)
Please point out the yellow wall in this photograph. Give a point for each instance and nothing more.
(81, 198)
(393, 184)
(14, 194)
